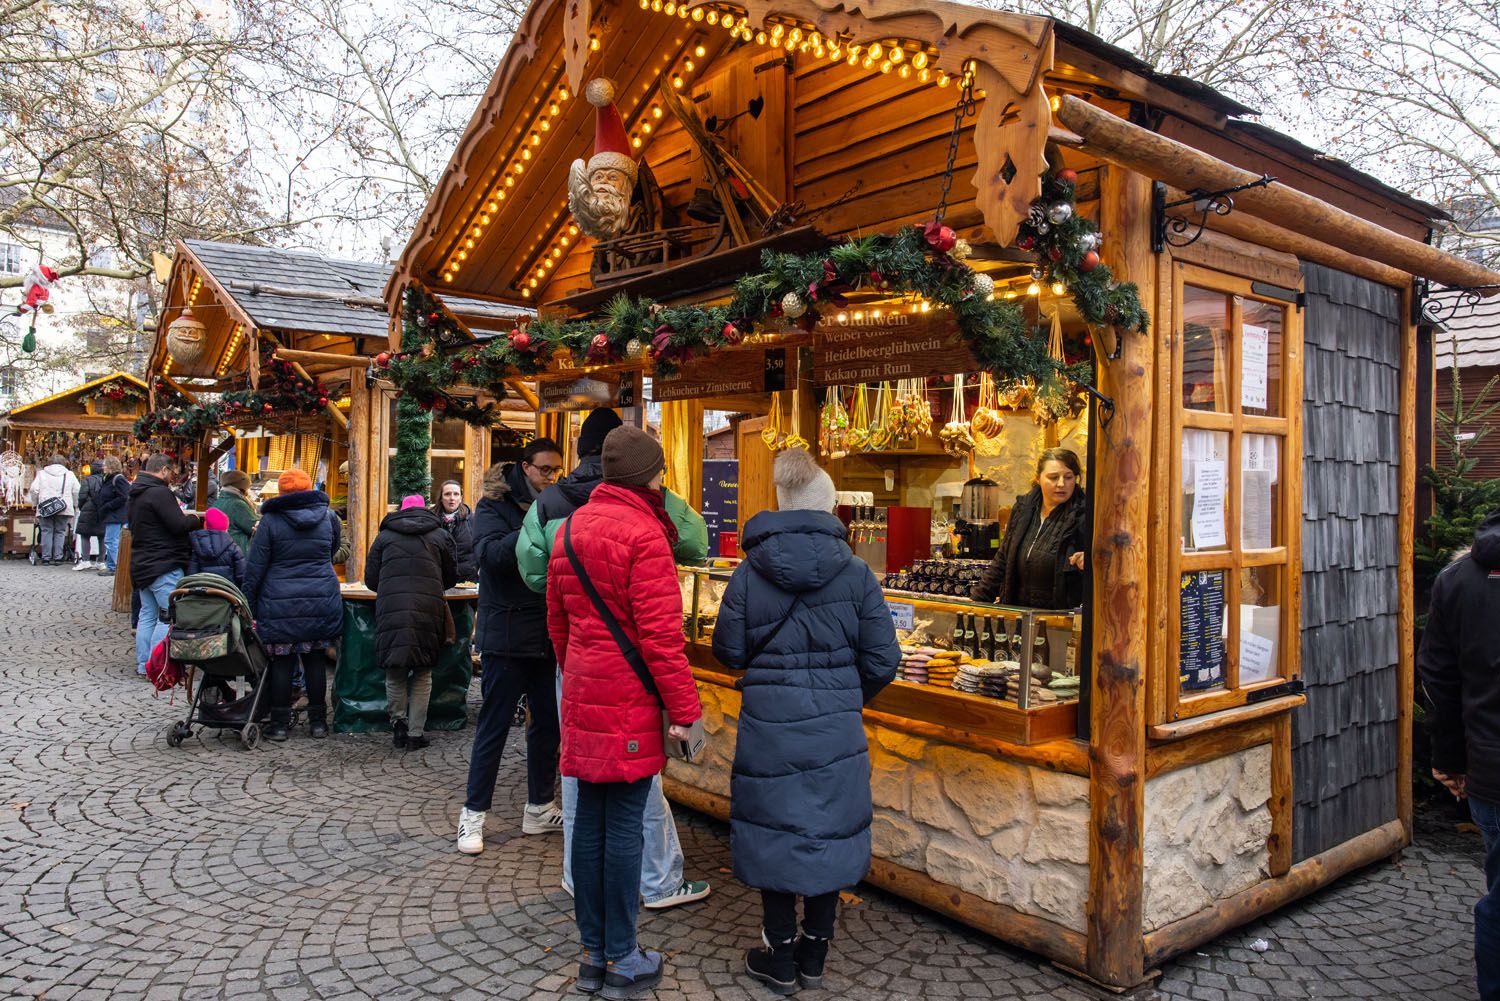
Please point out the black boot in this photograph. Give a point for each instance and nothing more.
(773, 965)
(280, 725)
(810, 954)
(398, 732)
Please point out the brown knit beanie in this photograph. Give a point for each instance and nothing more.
(237, 478)
(631, 457)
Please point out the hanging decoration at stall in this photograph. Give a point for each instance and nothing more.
(282, 393)
(186, 337)
(113, 392)
(776, 435)
(36, 290)
(833, 426)
(957, 436)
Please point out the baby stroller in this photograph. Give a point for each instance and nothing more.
(210, 629)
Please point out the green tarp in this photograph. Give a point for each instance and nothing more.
(359, 693)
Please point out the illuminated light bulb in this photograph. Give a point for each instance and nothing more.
(563, 240)
(593, 43)
(713, 17)
(923, 76)
(526, 153)
(532, 283)
(545, 125)
(874, 314)
(469, 243)
(655, 111)
(670, 8)
(904, 73)
(897, 53)
(868, 62)
(1058, 288)
(926, 307)
(475, 231)
(700, 51)
(853, 57)
(510, 182)
(484, 217)
(518, 168)
(562, 93)
(541, 272)
(572, 230)
(942, 79)
(656, 5)
(790, 45)
(554, 109)
(885, 67)
(546, 264)
(727, 20)
(557, 252)
(1033, 289)
(646, 127)
(447, 276)
(796, 35)
(682, 12)
(463, 255)
(835, 52)
(1011, 294)
(526, 293)
(536, 139)
(635, 141)
(688, 65)
(760, 38)
(697, 13)
(876, 51)
(858, 316)
(919, 60)
(778, 30)
(645, 4)
(677, 82)
(493, 207)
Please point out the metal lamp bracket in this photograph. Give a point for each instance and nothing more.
(1183, 231)
(1447, 303)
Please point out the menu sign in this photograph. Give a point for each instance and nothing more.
(726, 373)
(1201, 662)
(721, 498)
(855, 347)
(585, 392)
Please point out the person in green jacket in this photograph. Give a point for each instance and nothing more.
(234, 501)
(662, 882)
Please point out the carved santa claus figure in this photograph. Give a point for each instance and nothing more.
(599, 192)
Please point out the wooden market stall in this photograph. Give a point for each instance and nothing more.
(84, 424)
(1231, 727)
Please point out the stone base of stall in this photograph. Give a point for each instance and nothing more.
(1003, 845)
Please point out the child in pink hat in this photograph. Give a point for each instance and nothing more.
(213, 551)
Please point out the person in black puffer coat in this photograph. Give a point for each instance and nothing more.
(89, 531)
(459, 521)
(214, 551)
(808, 624)
(410, 565)
(290, 584)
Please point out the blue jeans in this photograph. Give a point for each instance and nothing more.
(151, 627)
(661, 860)
(607, 865)
(1487, 912)
(503, 683)
(112, 545)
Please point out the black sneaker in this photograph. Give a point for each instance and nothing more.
(277, 732)
(398, 733)
(417, 743)
(317, 731)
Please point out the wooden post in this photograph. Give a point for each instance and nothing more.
(1122, 519)
(205, 466)
(1283, 802)
(1406, 527)
(361, 470)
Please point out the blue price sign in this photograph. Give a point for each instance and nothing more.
(903, 615)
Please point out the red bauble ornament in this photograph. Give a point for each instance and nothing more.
(939, 237)
(732, 334)
(383, 359)
(1054, 253)
(600, 342)
(1067, 174)
(433, 317)
(322, 401)
(268, 408)
(1026, 243)
(520, 340)
(1088, 262)
(440, 404)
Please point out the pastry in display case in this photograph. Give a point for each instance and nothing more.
(702, 589)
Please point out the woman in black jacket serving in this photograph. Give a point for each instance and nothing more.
(458, 520)
(1040, 562)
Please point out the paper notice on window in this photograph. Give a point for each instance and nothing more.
(1257, 657)
(1254, 356)
(1255, 509)
(1208, 505)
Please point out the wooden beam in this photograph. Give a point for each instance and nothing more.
(525, 392)
(1114, 139)
(1269, 895)
(1405, 568)
(1209, 746)
(1122, 520)
(1253, 230)
(1196, 725)
(1047, 938)
(1283, 799)
(324, 358)
(362, 472)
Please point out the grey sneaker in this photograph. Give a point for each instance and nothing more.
(545, 818)
(690, 892)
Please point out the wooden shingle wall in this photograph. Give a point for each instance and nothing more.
(1344, 740)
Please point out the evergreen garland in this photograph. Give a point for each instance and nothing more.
(411, 471)
(285, 392)
(798, 289)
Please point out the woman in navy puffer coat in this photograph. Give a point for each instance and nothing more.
(812, 622)
(290, 584)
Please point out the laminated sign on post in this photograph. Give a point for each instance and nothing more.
(858, 347)
(585, 392)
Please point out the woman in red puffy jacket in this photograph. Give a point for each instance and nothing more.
(611, 724)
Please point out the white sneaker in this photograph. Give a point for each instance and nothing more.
(82, 565)
(471, 831)
(543, 819)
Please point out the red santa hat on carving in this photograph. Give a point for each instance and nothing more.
(611, 147)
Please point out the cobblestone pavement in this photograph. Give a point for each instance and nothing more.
(325, 870)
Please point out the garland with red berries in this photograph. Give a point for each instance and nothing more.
(282, 392)
(115, 390)
(796, 289)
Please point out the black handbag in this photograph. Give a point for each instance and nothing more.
(685, 750)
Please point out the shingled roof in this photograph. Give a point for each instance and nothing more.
(1476, 326)
(245, 272)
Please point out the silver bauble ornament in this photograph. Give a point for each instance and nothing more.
(983, 285)
(634, 348)
(1060, 213)
(792, 305)
(1089, 241)
(1043, 229)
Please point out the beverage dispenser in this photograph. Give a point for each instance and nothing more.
(978, 523)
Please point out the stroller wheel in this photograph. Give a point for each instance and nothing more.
(177, 734)
(250, 736)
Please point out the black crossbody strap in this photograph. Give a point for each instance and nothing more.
(766, 640)
(632, 655)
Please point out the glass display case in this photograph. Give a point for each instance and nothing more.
(702, 589)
